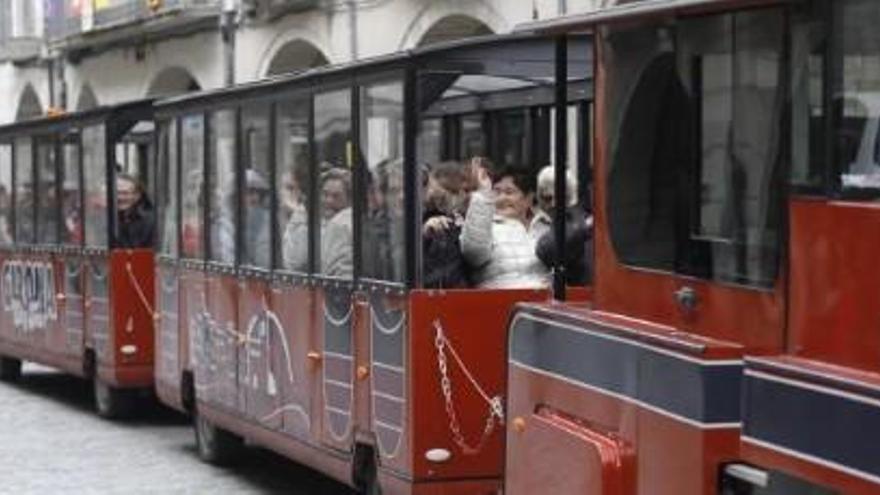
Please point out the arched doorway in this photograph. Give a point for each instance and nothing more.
(87, 99)
(453, 27)
(173, 81)
(29, 105)
(295, 56)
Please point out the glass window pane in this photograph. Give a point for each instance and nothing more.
(858, 96)
(293, 158)
(71, 194)
(47, 192)
(256, 198)
(5, 194)
(473, 138)
(192, 159)
(383, 241)
(808, 115)
(430, 144)
(94, 150)
(333, 147)
(24, 191)
(168, 191)
(222, 186)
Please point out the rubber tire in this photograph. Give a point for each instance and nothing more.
(365, 476)
(215, 445)
(10, 369)
(111, 402)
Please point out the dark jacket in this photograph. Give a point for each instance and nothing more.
(444, 265)
(578, 247)
(136, 226)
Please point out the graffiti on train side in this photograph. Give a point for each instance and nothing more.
(29, 294)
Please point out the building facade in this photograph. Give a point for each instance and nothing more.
(77, 54)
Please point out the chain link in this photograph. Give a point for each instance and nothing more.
(496, 408)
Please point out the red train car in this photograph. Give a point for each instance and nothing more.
(75, 295)
(731, 346)
(293, 311)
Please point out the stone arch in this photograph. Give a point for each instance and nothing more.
(173, 81)
(87, 98)
(295, 55)
(453, 27)
(29, 105)
(453, 19)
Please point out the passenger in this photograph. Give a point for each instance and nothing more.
(295, 240)
(336, 235)
(257, 221)
(134, 212)
(543, 219)
(383, 236)
(5, 213)
(71, 212)
(495, 239)
(444, 265)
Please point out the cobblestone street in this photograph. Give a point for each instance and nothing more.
(51, 442)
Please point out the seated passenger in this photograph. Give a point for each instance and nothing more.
(256, 219)
(444, 266)
(495, 239)
(337, 243)
(543, 219)
(295, 239)
(134, 211)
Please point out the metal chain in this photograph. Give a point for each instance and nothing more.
(496, 410)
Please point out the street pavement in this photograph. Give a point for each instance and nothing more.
(51, 442)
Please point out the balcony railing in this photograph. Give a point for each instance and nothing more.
(71, 18)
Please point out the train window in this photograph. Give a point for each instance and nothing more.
(808, 115)
(473, 136)
(256, 198)
(332, 131)
(71, 194)
(24, 191)
(168, 191)
(430, 144)
(293, 180)
(222, 187)
(94, 157)
(5, 194)
(857, 94)
(48, 211)
(695, 165)
(192, 160)
(383, 244)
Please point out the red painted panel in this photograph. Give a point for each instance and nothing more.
(672, 457)
(258, 378)
(132, 302)
(553, 453)
(835, 287)
(216, 338)
(474, 321)
(298, 375)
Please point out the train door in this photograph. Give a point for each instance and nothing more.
(334, 263)
(692, 171)
(169, 364)
(46, 328)
(381, 335)
(71, 289)
(292, 319)
(96, 242)
(259, 380)
(7, 224)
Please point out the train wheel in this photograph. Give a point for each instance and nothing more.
(10, 369)
(216, 445)
(112, 403)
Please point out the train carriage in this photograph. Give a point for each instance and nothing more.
(730, 345)
(73, 297)
(291, 305)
